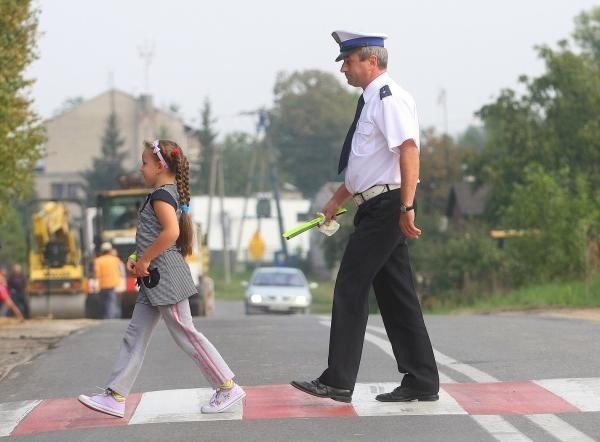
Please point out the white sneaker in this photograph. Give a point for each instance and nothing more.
(224, 399)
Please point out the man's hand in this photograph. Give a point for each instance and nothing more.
(329, 210)
(407, 225)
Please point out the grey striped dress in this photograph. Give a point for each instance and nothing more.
(176, 283)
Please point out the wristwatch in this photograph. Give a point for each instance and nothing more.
(404, 208)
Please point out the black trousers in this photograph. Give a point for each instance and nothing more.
(377, 255)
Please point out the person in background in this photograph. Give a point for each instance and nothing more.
(107, 270)
(122, 284)
(17, 284)
(6, 302)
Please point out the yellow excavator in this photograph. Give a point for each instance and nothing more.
(57, 278)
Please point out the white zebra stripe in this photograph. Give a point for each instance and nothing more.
(582, 393)
(468, 370)
(559, 428)
(179, 406)
(11, 413)
(500, 429)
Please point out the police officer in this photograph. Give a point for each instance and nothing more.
(381, 158)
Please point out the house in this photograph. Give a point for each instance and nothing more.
(74, 139)
(465, 201)
(239, 231)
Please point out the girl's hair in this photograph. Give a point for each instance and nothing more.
(173, 155)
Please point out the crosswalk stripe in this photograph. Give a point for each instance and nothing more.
(586, 398)
(500, 429)
(583, 393)
(559, 428)
(11, 413)
(537, 401)
(385, 345)
(365, 404)
(179, 406)
(468, 370)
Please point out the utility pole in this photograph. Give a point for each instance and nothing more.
(146, 52)
(224, 223)
(246, 197)
(217, 182)
(443, 101)
(211, 192)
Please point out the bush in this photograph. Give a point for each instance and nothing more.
(554, 215)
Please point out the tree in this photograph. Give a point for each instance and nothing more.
(542, 160)
(13, 237)
(236, 152)
(108, 167)
(308, 123)
(442, 161)
(554, 220)
(21, 133)
(206, 135)
(554, 124)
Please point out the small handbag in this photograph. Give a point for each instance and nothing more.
(151, 280)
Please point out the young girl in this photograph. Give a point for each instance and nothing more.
(163, 238)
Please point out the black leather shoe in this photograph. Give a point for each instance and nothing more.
(405, 394)
(319, 389)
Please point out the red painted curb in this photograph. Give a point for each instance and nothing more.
(504, 398)
(284, 401)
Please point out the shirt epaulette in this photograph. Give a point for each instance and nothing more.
(384, 92)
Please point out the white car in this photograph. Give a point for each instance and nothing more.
(278, 289)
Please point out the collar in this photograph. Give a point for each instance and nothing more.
(372, 89)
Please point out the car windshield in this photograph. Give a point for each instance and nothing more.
(279, 278)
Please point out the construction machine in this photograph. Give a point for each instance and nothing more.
(56, 284)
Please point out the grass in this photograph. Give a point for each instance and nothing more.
(576, 294)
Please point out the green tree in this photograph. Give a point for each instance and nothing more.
(21, 133)
(308, 123)
(442, 161)
(554, 124)
(554, 221)
(108, 167)
(207, 136)
(236, 152)
(12, 237)
(542, 161)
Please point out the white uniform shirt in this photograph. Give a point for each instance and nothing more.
(383, 125)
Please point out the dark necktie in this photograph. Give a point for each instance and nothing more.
(348, 141)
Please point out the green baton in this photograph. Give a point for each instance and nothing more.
(309, 224)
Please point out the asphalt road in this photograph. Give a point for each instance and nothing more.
(272, 350)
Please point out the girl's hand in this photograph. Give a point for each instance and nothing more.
(130, 267)
(141, 268)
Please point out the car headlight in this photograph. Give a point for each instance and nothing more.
(255, 299)
(301, 300)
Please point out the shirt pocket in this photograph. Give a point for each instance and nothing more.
(362, 136)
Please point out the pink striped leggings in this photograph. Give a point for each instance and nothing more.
(178, 320)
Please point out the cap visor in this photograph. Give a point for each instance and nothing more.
(343, 55)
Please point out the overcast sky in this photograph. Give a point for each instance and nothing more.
(231, 51)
